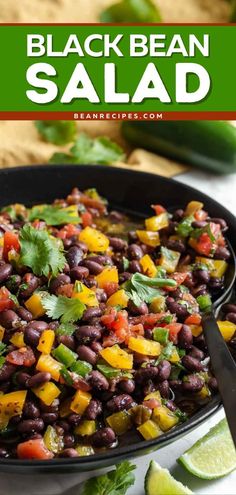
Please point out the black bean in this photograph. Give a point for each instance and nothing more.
(93, 267)
(116, 216)
(98, 381)
(178, 215)
(222, 253)
(135, 266)
(82, 246)
(142, 309)
(53, 325)
(79, 273)
(31, 336)
(31, 411)
(144, 374)
(38, 379)
(231, 317)
(5, 386)
(69, 453)
(200, 290)
(96, 347)
(216, 283)
(9, 319)
(127, 386)
(4, 452)
(229, 308)
(52, 408)
(171, 229)
(164, 370)
(171, 406)
(117, 244)
(13, 283)
(63, 425)
(94, 409)
(49, 418)
(202, 276)
(38, 325)
(199, 224)
(164, 389)
(221, 222)
(58, 282)
(6, 371)
(67, 243)
(192, 383)
(191, 363)
(32, 283)
(30, 425)
(120, 402)
(178, 309)
(74, 256)
(24, 314)
(68, 440)
(213, 384)
(196, 353)
(175, 384)
(132, 236)
(5, 272)
(67, 340)
(185, 337)
(22, 378)
(87, 334)
(73, 419)
(86, 354)
(90, 282)
(135, 252)
(123, 277)
(91, 313)
(102, 259)
(176, 245)
(103, 438)
(200, 342)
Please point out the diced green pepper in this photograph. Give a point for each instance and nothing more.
(82, 368)
(110, 372)
(204, 302)
(161, 335)
(185, 228)
(64, 355)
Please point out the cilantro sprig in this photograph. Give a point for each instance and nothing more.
(57, 131)
(141, 288)
(40, 252)
(115, 482)
(53, 215)
(68, 309)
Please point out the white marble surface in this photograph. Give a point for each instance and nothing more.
(223, 190)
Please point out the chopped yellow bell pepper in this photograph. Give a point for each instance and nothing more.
(53, 441)
(1, 241)
(196, 330)
(120, 422)
(117, 357)
(158, 305)
(149, 238)
(84, 450)
(165, 418)
(149, 430)
(109, 274)
(65, 409)
(47, 392)
(217, 268)
(11, 405)
(169, 259)
(227, 329)
(193, 207)
(73, 212)
(2, 331)
(46, 340)
(148, 266)
(144, 346)
(18, 339)
(119, 298)
(95, 240)
(85, 428)
(47, 363)
(80, 401)
(174, 357)
(204, 393)
(85, 295)
(34, 305)
(157, 222)
(153, 395)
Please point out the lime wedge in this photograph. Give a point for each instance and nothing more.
(158, 481)
(213, 455)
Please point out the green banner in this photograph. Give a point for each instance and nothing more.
(137, 68)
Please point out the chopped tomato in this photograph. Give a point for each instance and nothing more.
(87, 219)
(33, 449)
(194, 319)
(68, 231)
(136, 329)
(5, 300)
(21, 357)
(117, 323)
(215, 229)
(151, 403)
(204, 244)
(158, 209)
(110, 288)
(66, 290)
(174, 329)
(150, 320)
(179, 277)
(111, 340)
(200, 215)
(10, 241)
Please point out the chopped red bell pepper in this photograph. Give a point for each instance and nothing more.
(33, 449)
(87, 219)
(110, 288)
(10, 241)
(179, 277)
(158, 209)
(200, 215)
(204, 244)
(68, 231)
(174, 329)
(5, 299)
(194, 319)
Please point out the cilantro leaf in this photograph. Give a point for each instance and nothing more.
(53, 215)
(184, 228)
(2, 348)
(131, 11)
(42, 253)
(2, 361)
(68, 309)
(198, 232)
(100, 150)
(115, 482)
(57, 131)
(66, 329)
(142, 288)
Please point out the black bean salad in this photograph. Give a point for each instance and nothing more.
(100, 323)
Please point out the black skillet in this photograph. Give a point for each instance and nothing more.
(126, 190)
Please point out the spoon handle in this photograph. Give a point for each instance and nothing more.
(224, 368)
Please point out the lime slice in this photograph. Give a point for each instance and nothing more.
(158, 481)
(213, 455)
